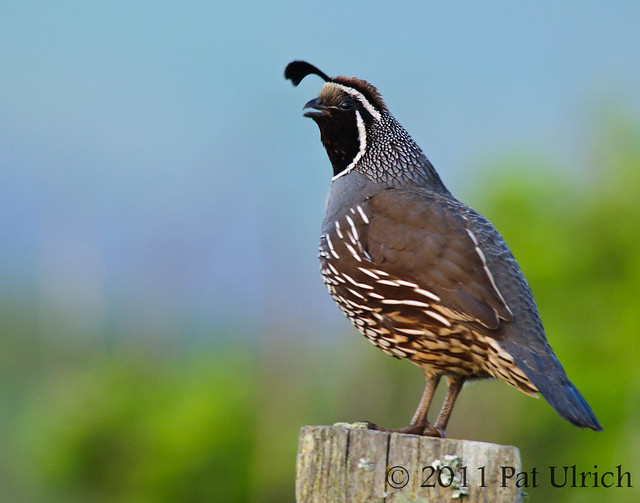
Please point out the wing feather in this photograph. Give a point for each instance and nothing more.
(422, 237)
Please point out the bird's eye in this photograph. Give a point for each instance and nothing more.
(346, 105)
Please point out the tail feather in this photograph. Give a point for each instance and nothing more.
(546, 373)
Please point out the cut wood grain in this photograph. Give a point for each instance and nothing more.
(351, 464)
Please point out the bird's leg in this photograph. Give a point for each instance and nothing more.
(454, 386)
(419, 424)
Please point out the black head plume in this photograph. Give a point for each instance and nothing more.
(298, 70)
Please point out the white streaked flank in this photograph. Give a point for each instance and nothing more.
(355, 283)
(369, 273)
(365, 219)
(333, 252)
(338, 230)
(410, 331)
(354, 231)
(406, 283)
(387, 282)
(438, 317)
(412, 303)
(353, 252)
(349, 279)
(427, 293)
(356, 293)
(415, 303)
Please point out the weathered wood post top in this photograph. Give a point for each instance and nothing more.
(346, 463)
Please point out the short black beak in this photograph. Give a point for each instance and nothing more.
(316, 104)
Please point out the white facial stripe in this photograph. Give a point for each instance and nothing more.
(360, 97)
(362, 139)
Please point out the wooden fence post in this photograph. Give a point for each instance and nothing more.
(347, 464)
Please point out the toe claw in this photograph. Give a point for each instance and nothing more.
(427, 430)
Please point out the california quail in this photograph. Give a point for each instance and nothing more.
(421, 275)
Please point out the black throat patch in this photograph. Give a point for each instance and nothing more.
(340, 136)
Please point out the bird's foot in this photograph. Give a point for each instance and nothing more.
(423, 429)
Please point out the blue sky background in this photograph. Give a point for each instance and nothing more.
(156, 172)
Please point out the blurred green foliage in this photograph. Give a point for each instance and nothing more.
(130, 427)
(220, 423)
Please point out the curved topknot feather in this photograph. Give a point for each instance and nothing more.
(298, 70)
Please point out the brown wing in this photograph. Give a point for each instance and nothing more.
(420, 237)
